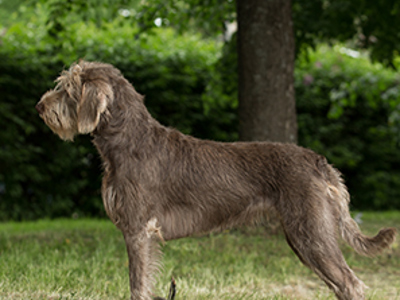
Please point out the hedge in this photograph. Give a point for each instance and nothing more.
(348, 110)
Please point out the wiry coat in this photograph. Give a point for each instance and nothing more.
(161, 183)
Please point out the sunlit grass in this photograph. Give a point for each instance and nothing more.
(86, 259)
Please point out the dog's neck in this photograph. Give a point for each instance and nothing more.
(133, 123)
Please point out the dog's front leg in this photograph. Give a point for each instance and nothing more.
(137, 245)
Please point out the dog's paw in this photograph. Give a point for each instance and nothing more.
(172, 291)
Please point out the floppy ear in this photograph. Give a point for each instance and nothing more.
(93, 102)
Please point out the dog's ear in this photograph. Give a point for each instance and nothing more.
(95, 97)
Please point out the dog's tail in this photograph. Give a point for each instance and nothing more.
(348, 228)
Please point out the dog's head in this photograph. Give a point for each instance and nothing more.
(81, 95)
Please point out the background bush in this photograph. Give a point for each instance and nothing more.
(41, 176)
(347, 110)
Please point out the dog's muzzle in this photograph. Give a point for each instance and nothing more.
(40, 108)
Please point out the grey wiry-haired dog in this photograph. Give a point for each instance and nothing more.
(161, 184)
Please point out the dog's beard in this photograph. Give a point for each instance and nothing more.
(60, 124)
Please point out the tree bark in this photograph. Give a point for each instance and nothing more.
(267, 110)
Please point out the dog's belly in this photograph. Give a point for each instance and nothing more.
(211, 214)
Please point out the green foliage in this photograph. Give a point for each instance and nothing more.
(363, 23)
(64, 13)
(42, 176)
(7, 9)
(348, 111)
(206, 16)
(366, 24)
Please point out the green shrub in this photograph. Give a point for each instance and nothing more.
(41, 176)
(348, 111)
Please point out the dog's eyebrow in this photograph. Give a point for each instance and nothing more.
(59, 84)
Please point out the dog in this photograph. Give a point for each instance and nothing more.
(160, 184)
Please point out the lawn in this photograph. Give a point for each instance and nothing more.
(86, 259)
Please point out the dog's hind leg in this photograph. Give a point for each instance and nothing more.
(326, 260)
(313, 238)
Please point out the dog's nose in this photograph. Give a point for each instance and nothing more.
(40, 108)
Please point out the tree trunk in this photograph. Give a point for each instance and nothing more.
(267, 110)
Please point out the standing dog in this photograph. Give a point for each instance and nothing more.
(161, 184)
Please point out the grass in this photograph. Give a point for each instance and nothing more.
(86, 259)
